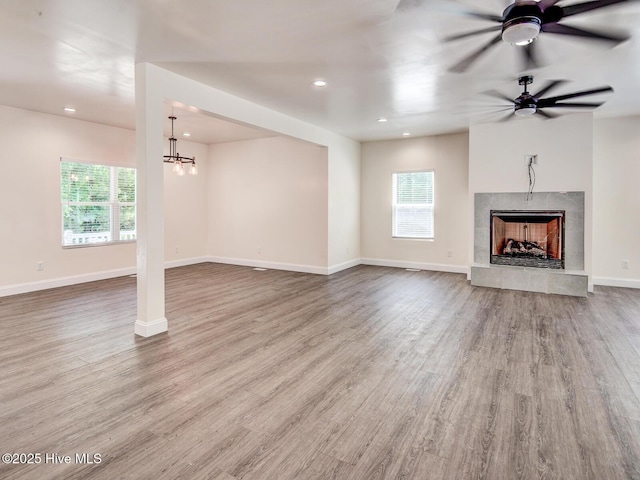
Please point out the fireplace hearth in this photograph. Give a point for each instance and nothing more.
(526, 238)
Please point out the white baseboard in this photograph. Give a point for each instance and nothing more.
(343, 266)
(64, 281)
(616, 282)
(107, 274)
(148, 329)
(270, 265)
(437, 267)
(86, 277)
(185, 261)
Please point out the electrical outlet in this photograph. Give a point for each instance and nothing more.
(625, 264)
(177, 249)
(530, 160)
(259, 250)
(450, 253)
(39, 266)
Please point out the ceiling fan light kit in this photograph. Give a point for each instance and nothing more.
(525, 110)
(525, 20)
(521, 32)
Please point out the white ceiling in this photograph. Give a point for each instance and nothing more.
(378, 61)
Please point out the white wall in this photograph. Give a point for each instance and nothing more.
(447, 155)
(565, 153)
(30, 206)
(616, 202)
(185, 207)
(344, 205)
(343, 153)
(321, 183)
(267, 204)
(30, 221)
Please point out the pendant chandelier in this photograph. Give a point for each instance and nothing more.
(175, 158)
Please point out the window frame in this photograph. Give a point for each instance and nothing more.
(394, 206)
(113, 204)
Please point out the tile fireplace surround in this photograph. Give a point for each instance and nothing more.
(572, 280)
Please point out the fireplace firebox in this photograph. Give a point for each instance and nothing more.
(527, 238)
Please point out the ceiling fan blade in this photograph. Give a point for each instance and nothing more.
(549, 86)
(501, 96)
(551, 100)
(545, 114)
(488, 108)
(451, 6)
(570, 105)
(484, 16)
(463, 64)
(470, 34)
(530, 56)
(587, 6)
(544, 4)
(579, 32)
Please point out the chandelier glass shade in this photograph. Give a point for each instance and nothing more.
(176, 159)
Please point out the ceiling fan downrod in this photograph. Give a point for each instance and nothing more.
(525, 104)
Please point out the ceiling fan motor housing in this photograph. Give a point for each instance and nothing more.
(525, 105)
(522, 23)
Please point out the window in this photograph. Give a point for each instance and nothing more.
(413, 204)
(98, 204)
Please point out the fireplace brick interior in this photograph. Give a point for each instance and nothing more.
(527, 238)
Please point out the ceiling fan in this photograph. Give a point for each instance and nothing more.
(521, 23)
(529, 104)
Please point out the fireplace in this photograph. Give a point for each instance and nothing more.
(527, 238)
(557, 214)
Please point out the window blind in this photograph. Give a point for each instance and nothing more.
(413, 205)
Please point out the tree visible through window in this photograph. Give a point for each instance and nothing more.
(413, 204)
(98, 203)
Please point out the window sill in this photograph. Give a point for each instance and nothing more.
(414, 238)
(97, 244)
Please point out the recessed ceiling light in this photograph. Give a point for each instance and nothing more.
(405, 134)
(69, 109)
(382, 120)
(320, 83)
(186, 134)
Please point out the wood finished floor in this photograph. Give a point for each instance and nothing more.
(368, 374)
